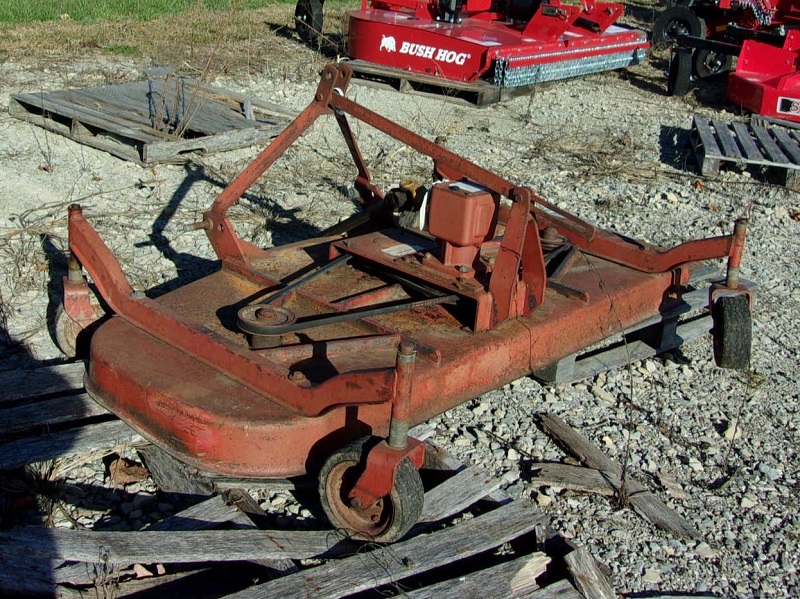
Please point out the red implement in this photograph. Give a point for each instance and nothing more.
(767, 79)
(518, 43)
(307, 355)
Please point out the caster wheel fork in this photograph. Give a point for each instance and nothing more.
(388, 518)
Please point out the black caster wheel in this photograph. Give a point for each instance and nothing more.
(388, 519)
(733, 331)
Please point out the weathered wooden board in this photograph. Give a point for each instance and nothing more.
(159, 120)
(649, 338)
(576, 478)
(480, 93)
(759, 143)
(29, 384)
(401, 560)
(74, 441)
(512, 579)
(587, 576)
(169, 547)
(641, 499)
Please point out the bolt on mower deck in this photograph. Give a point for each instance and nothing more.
(318, 356)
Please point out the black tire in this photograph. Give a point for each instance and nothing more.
(391, 518)
(680, 72)
(308, 21)
(707, 63)
(733, 331)
(677, 20)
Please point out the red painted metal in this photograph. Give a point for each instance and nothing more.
(179, 370)
(767, 79)
(381, 465)
(474, 39)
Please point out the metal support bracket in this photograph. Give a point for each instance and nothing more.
(378, 477)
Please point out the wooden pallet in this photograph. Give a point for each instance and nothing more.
(216, 547)
(154, 121)
(765, 145)
(687, 321)
(480, 93)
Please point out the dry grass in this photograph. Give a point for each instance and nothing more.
(240, 39)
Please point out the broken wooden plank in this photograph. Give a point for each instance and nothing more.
(511, 580)
(25, 384)
(48, 413)
(437, 458)
(75, 441)
(25, 577)
(407, 558)
(171, 547)
(641, 499)
(590, 581)
(561, 589)
(175, 477)
(624, 353)
(249, 510)
(202, 516)
(575, 478)
(457, 493)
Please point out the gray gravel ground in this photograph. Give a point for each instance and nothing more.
(611, 148)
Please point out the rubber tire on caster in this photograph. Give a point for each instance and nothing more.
(66, 331)
(680, 72)
(308, 21)
(677, 20)
(399, 511)
(707, 63)
(733, 331)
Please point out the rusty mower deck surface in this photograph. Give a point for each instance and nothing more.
(308, 354)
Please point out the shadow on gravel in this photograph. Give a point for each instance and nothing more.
(331, 46)
(675, 147)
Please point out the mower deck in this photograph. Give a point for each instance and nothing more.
(504, 52)
(212, 421)
(329, 349)
(491, 47)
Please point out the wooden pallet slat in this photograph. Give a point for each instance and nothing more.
(174, 547)
(644, 503)
(789, 146)
(745, 139)
(120, 119)
(771, 149)
(706, 150)
(726, 140)
(84, 439)
(57, 411)
(404, 559)
(758, 143)
(19, 384)
(512, 579)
